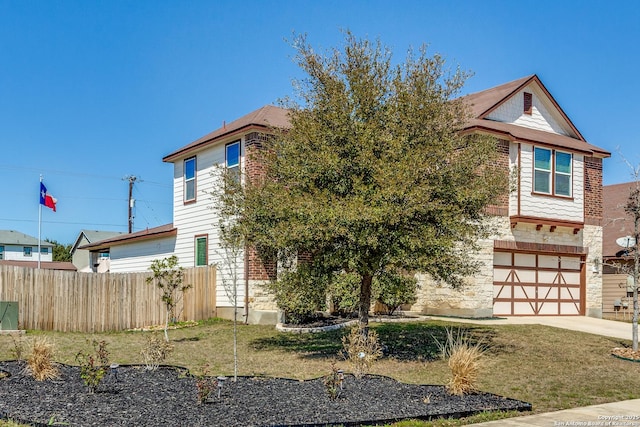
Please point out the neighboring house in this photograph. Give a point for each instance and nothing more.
(16, 246)
(81, 257)
(540, 260)
(132, 252)
(617, 285)
(544, 255)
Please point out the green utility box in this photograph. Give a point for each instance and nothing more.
(8, 315)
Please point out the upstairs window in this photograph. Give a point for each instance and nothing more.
(552, 172)
(190, 180)
(232, 159)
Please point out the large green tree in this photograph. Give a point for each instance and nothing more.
(374, 175)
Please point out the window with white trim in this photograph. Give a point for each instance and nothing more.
(552, 172)
(1, 252)
(232, 158)
(190, 179)
(26, 250)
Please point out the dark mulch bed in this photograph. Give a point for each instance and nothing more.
(168, 396)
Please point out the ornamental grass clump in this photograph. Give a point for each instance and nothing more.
(464, 360)
(40, 363)
(362, 349)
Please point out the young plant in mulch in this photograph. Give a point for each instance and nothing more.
(155, 352)
(464, 360)
(20, 347)
(205, 385)
(334, 382)
(94, 366)
(168, 276)
(40, 363)
(362, 349)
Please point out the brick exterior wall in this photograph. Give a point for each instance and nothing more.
(593, 191)
(258, 267)
(502, 207)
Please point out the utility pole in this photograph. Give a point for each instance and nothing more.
(131, 179)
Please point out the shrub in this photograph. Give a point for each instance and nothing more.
(19, 350)
(464, 361)
(93, 366)
(40, 362)
(334, 382)
(393, 290)
(362, 349)
(155, 351)
(344, 293)
(205, 384)
(300, 294)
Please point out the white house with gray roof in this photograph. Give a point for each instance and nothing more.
(16, 246)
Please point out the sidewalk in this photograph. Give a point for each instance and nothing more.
(625, 413)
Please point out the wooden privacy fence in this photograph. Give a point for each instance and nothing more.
(65, 301)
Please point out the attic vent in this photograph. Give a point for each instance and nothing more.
(528, 103)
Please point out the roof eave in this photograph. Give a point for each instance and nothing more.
(185, 151)
(509, 136)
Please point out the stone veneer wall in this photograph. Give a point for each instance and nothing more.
(475, 298)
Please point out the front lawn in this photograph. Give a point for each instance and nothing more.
(553, 369)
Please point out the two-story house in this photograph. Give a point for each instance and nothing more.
(544, 254)
(541, 259)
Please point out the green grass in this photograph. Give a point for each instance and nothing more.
(553, 369)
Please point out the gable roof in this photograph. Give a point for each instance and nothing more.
(617, 223)
(12, 237)
(94, 236)
(148, 234)
(261, 119)
(485, 102)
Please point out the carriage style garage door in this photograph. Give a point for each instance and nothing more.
(536, 284)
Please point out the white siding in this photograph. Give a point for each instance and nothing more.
(543, 117)
(570, 209)
(199, 218)
(16, 253)
(137, 257)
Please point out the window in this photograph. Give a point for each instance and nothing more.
(27, 250)
(552, 172)
(201, 245)
(44, 251)
(1, 252)
(232, 156)
(190, 179)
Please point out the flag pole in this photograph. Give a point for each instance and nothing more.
(39, 220)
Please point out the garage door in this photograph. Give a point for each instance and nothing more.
(531, 284)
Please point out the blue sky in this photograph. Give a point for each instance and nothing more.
(93, 91)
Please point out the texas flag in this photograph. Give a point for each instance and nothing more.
(46, 198)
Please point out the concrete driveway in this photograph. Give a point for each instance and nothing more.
(591, 325)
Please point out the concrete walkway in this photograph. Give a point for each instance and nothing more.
(625, 413)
